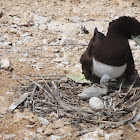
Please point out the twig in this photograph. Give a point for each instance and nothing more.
(38, 86)
(45, 83)
(127, 93)
(127, 120)
(55, 76)
(121, 85)
(33, 81)
(18, 102)
(131, 98)
(67, 44)
(131, 86)
(109, 122)
(33, 92)
(132, 126)
(83, 132)
(132, 105)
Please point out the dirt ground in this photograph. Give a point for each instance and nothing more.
(26, 29)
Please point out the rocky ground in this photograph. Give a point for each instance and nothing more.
(39, 36)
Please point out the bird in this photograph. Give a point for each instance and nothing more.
(86, 58)
(97, 90)
(111, 54)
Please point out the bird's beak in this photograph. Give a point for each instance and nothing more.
(112, 81)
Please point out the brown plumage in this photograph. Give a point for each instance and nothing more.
(86, 58)
(112, 49)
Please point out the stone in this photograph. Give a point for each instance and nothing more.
(58, 124)
(43, 121)
(114, 135)
(96, 135)
(89, 136)
(40, 130)
(5, 64)
(9, 93)
(59, 26)
(96, 103)
(53, 137)
(65, 130)
(53, 115)
(99, 132)
(67, 41)
(75, 19)
(25, 115)
(51, 49)
(8, 137)
(58, 60)
(48, 131)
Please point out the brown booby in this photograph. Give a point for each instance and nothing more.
(111, 54)
(86, 58)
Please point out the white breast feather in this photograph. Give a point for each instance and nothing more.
(100, 69)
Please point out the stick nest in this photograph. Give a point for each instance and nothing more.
(59, 94)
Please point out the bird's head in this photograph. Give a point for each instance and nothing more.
(107, 80)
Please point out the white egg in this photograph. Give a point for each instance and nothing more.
(96, 103)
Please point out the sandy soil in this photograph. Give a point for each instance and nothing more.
(26, 28)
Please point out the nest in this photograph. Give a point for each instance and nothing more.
(56, 93)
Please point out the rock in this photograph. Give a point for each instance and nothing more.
(51, 49)
(26, 116)
(5, 64)
(93, 135)
(89, 136)
(43, 121)
(65, 130)
(67, 41)
(40, 130)
(114, 135)
(8, 137)
(13, 30)
(49, 131)
(29, 126)
(96, 103)
(58, 60)
(18, 117)
(75, 19)
(53, 115)
(25, 34)
(59, 26)
(53, 137)
(9, 93)
(99, 132)
(1, 39)
(58, 123)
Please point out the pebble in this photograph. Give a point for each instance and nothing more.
(43, 121)
(114, 135)
(40, 130)
(7, 137)
(96, 103)
(48, 131)
(75, 19)
(65, 130)
(89, 136)
(9, 93)
(53, 137)
(58, 123)
(5, 64)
